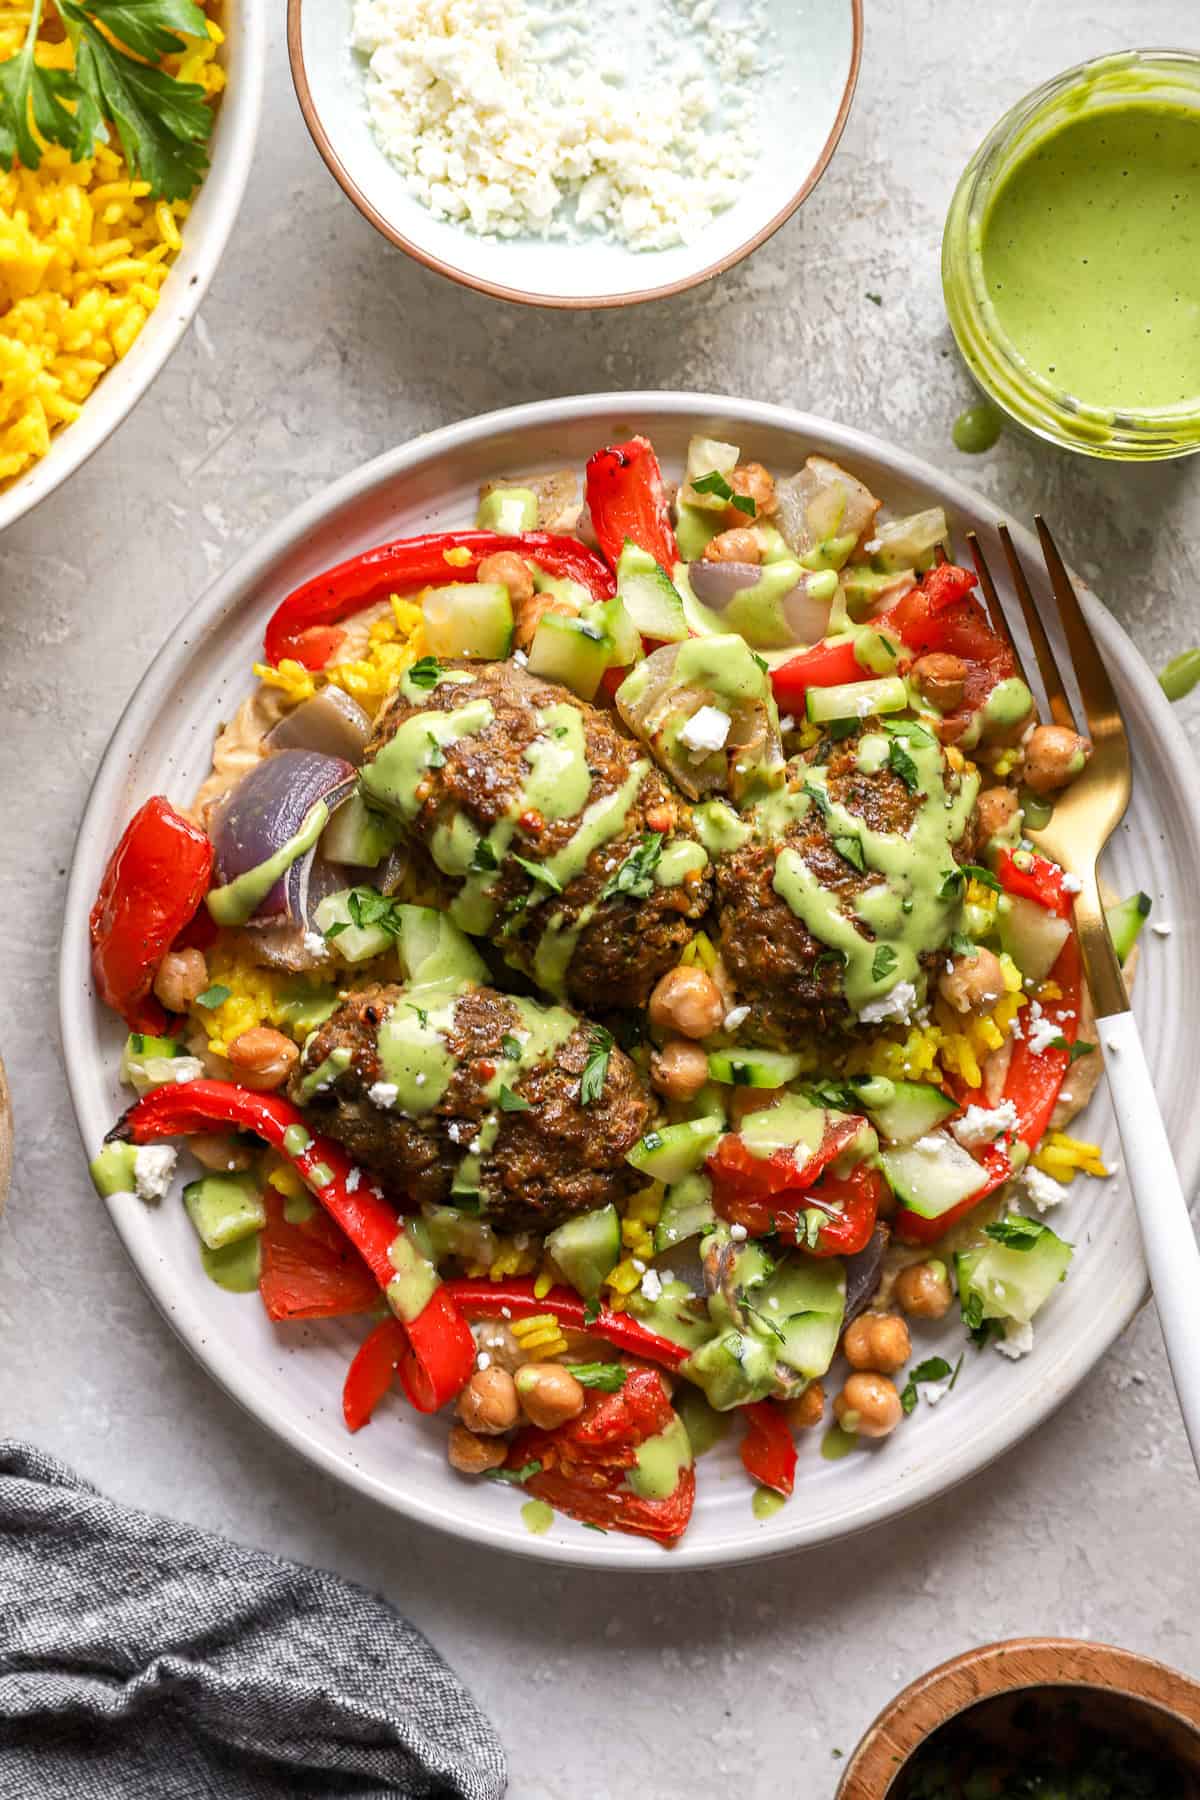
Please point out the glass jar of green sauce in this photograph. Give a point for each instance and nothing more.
(1071, 258)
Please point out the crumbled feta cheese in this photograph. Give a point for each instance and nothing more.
(1071, 884)
(638, 1264)
(933, 1391)
(898, 1004)
(738, 1233)
(1016, 1342)
(787, 722)
(705, 731)
(1042, 1189)
(871, 546)
(520, 658)
(385, 1094)
(652, 1286)
(1162, 929)
(186, 1068)
(1042, 1032)
(315, 944)
(506, 1312)
(483, 1360)
(735, 1017)
(354, 1181)
(984, 1124)
(153, 1167)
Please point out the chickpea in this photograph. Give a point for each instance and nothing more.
(550, 1394)
(923, 1289)
(679, 1070)
(868, 1405)
(489, 1404)
(472, 1455)
(182, 974)
(1054, 755)
(808, 1409)
(972, 983)
(877, 1341)
(220, 1151)
(752, 480)
(688, 1001)
(941, 678)
(510, 571)
(528, 615)
(738, 546)
(262, 1057)
(995, 810)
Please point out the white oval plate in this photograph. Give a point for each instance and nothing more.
(290, 1378)
(205, 234)
(815, 49)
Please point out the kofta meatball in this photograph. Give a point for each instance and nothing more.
(791, 980)
(499, 775)
(505, 1120)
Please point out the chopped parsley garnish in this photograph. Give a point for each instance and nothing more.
(213, 996)
(1074, 1051)
(876, 300)
(426, 673)
(819, 798)
(953, 883)
(762, 662)
(981, 1330)
(842, 728)
(367, 906)
(1016, 1232)
(715, 483)
(837, 957)
(422, 1015)
(851, 848)
(539, 872)
(962, 946)
(813, 1222)
(595, 1069)
(608, 1377)
(517, 1477)
(510, 1102)
(769, 1324)
(907, 728)
(652, 1140)
(484, 859)
(163, 123)
(635, 876)
(436, 758)
(591, 1312)
(976, 872)
(510, 1047)
(902, 764)
(883, 962)
(934, 1368)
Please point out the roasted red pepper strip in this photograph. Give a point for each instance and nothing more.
(440, 1357)
(771, 1194)
(1034, 878)
(298, 626)
(372, 1372)
(768, 1449)
(585, 1464)
(825, 665)
(516, 1299)
(1033, 1083)
(155, 880)
(626, 499)
(310, 1270)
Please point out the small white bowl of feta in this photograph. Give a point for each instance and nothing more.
(575, 152)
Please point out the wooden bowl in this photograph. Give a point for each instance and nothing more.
(1125, 1696)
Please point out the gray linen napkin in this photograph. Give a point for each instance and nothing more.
(144, 1659)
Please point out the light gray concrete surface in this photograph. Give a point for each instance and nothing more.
(318, 347)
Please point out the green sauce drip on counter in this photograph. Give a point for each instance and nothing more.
(977, 429)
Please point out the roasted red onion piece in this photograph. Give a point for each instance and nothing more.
(265, 811)
(331, 723)
(822, 501)
(864, 1272)
(715, 583)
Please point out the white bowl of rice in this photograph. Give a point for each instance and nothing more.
(576, 153)
(98, 282)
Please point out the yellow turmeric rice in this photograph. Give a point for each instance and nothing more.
(84, 254)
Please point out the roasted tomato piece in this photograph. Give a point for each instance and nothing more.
(311, 1270)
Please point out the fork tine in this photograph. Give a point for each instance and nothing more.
(1095, 688)
(1052, 681)
(996, 611)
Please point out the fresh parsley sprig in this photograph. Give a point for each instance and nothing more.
(595, 1069)
(608, 1377)
(715, 483)
(934, 1368)
(635, 876)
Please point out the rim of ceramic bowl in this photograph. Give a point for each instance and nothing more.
(215, 209)
(1007, 1667)
(569, 302)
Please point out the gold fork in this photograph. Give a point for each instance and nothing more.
(1084, 818)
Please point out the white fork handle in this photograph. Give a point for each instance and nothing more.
(1172, 1254)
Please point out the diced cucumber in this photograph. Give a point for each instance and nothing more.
(433, 949)
(354, 943)
(112, 1171)
(573, 594)
(707, 456)
(357, 835)
(508, 510)
(999, 1281)
(612, 617)
(694, 530)
(673, 1151)
(453, 1232)
(572, 651)
(909, 543)
(153, 1062)
(224, 1208)
(754, 1068)
(932, 1176)
(1030, 934)
(468, 618)
(863, 588)
(587, 1248)
(916, 1109)
(878, 651)
(648, 596)
(1125, 921)
(734, 1369)
(856, 699)
(830, 553)
(805, 1301)
(687, 1210)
